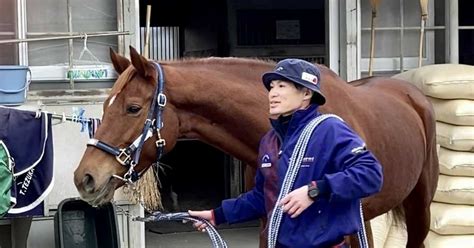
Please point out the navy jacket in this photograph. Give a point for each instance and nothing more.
(336, 158)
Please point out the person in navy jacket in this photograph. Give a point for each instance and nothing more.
(337, 170)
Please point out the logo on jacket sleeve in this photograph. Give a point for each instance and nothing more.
(359, 149)
(266, 162)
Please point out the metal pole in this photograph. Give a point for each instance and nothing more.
(406, 28)
(424, 16)
(420, 47)
(121, 28)
(21, 32)
(71, 42)
(402, 35)
(147, 31)
(372, 41)
(453, 17)
(65, 37)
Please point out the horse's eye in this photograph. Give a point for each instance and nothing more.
(133, 109)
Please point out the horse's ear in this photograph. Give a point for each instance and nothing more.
(140, 63)
(120, 63)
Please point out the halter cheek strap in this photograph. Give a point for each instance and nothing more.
(130, 156)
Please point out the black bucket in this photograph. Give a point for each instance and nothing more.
(79, 225)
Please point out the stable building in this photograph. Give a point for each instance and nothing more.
(66, 46)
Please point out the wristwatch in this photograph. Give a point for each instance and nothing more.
(313, 190)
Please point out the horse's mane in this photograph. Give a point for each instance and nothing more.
(219, 61)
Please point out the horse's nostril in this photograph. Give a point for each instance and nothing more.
(88, 183)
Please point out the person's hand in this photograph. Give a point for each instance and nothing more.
(207, 215)
(296, 201)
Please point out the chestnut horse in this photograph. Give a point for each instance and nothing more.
(221, 101)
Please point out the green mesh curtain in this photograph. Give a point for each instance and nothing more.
(6, 180)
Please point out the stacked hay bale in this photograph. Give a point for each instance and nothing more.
(450, 88)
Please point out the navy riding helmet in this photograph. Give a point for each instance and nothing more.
(300, 72)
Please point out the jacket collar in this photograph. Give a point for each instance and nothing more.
(300, 117)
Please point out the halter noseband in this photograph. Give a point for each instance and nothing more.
(130, 156)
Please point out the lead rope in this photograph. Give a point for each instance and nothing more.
(361, 234)
(216, 239)
(290, 177)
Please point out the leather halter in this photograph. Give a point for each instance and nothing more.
(130, 156)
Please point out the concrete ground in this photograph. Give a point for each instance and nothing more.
(241, 237)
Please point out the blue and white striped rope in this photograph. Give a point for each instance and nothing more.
(290, 177)
(361, 234)
(216, 239)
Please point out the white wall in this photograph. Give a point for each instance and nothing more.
(69, 145)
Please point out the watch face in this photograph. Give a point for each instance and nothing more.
(313, 193)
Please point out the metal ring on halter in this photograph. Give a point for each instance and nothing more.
(160, 143)
(124, 157)
(121, 178)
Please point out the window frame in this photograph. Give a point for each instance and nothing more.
(402, 63)
(127, 19)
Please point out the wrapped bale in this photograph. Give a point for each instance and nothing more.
(380, 227)
(459, 138)
(456, 163)
(397, 236)
(452, 219)
(444, 81)
(447, 241)
(457, 112)
(455, 190)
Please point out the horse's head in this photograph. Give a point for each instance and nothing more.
(126, 111)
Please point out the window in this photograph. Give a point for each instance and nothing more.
(7, 31)
(280, 27)
(466, 32)
(397, 35)
(47, 23)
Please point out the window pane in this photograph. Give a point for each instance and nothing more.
(94, 16)
(46, 16)
(98, 46)
(387, 44)
(8, 52)
(466, 37)
(87, 16)
(465, 13)
(411, 43)
(412, 13)
(42, 53)
(388, 14)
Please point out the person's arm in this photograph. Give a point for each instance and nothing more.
(249, 205)
(358, 173)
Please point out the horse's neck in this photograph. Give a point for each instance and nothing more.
(221, 108)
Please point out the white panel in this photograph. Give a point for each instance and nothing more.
(333, 35)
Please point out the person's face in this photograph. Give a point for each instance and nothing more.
(285, 98)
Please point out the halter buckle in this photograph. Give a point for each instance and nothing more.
(124, 157)
(161, 100)
(160, 143)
